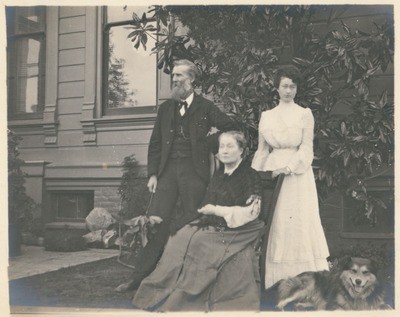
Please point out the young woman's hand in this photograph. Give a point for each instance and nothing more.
(207, 210)
(284, 170)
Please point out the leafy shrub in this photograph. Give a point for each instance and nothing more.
(382, 254)
(64, 240)
(20, 205)
(132, 190)
(238, 49)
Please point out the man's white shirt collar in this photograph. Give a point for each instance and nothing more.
(189, 99)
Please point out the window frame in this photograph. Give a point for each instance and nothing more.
(54, 203)
(105, 111)
(348, 231)
(12, 114)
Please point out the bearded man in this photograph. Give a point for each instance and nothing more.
(178, 162)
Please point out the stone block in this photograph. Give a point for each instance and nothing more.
(99, 218)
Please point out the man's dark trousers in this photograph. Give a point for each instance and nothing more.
(179, 179)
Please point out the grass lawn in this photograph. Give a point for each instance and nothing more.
(91, 285)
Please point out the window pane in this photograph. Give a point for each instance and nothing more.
(131, 72)
(85, 205)
(385, 223)
(72, 205)
(10, 20)
(29, 20)
(122, 13)
(25, 58)
(67, 205)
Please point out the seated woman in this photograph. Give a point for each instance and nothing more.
(210, 263)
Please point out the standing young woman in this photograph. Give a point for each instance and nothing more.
(296, 241)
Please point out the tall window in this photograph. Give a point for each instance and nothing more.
(130, 74)
(25, 60)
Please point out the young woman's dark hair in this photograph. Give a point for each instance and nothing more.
(290, 72)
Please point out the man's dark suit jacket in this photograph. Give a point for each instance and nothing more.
(203, 115)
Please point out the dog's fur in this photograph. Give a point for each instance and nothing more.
(353, 285)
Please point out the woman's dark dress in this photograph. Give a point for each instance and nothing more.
(210, 267)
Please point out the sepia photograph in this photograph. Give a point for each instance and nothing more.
(199, 157)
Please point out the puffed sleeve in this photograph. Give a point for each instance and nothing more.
(302, 159)
(237, 216)
(260, 157)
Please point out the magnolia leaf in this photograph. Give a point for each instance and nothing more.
(133, 222)
(137, 44)
(132, 230)
(133, 34)
(135, 17)
(343, 128)
(143, 236)
(381, 203)
(143, 40)
(383, 99)
(361, 196)
(368, 209)
(144, 19)
(345, 27)
(346, 158)
(359, 138)
(133, 241)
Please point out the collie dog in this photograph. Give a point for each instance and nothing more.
(353, 285)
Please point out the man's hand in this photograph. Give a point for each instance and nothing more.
(154, 220)
(152, 183)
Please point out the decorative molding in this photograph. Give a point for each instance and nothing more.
(34, 168)
(89, 101)
(51, 90)
(99, 61)
(50, 125)
(88, 125)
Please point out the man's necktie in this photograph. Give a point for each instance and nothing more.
(184, 106)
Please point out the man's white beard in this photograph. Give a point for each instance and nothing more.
(181, 91)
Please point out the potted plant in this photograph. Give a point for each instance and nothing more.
(20, 205)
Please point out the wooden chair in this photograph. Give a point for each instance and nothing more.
(271, 189)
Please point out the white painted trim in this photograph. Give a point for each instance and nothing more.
(51, 81)
(89, 100)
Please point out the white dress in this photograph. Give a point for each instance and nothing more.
(296, 241)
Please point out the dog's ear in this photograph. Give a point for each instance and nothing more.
(344, 262)
(373, 267)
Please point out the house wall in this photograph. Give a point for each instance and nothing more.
(74, 147)
(84, 150)
(333, 209)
